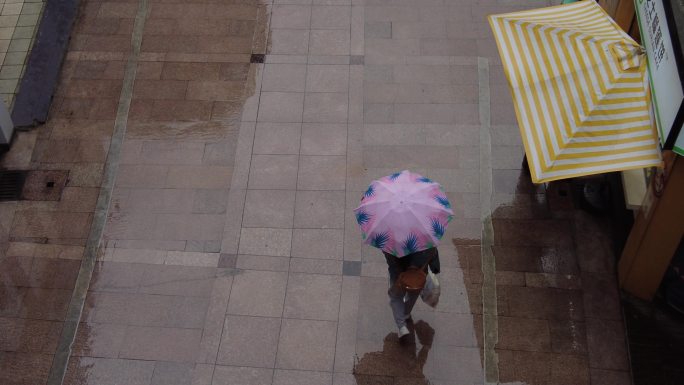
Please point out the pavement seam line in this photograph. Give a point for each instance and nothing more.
(489, 301)
(111, 167)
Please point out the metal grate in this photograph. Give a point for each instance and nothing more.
(257, 58)
(11, 184)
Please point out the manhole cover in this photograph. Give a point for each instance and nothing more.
(11, 184)
(44, 185)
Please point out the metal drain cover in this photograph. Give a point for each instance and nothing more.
(11, 184)
(44, 185)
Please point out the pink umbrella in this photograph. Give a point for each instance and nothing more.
(403, 213)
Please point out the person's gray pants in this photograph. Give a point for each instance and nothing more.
(401, 302)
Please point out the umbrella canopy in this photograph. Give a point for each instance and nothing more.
(580, 91)
(403, 213)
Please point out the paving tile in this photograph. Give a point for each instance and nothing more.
(298, 377)
(322, 173)
(8, 21)
(542, 368)
(315, 266)
(234, 71)
(159, 89)
(98, 340)
(235, 375)
(215, 90)
(452, 329)
(11, 72)
(568, 337)
(378, 113)
(318, 336)
(192, 259)
(203, 374)
(29, 336)
(610, 377)
(262, 262)
(106, 371)
(327, 78)
(220, 153)
(312, 296)
(141, 176)
(284, 77)
(330, 17)
(282, 107)
(606, 344)
(290, 41)
(202, 227)
(258, 293)
(177, 280)
(601, 298)
(291, 16)
(344, 379)
(269, 208)
(326, 107)
(524, 334)
(273, 172)
(136, 256)
(209, 201)
(329, 42)
(149, 310)
(228, 261)
(411, 157)
(277, 138)
(440, 365)
(200, 177)
(17, 268)
(54, 273)
(379, 30)
(265, 241)
(161, 344)
(319, 209)
(172, 373)
(249, 341)
(157, 200)
(539, 303)
(45, 304)
(13, 368)
(191, 71)
(540, 232)
(12, 8)
(324, 139)
(351, 268)
(318, 243)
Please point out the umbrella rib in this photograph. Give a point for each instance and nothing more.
(435, 207)
(375, 224)
(410, 209)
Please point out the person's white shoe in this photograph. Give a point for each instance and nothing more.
(403, 331)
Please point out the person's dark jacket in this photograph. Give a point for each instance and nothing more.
(397, 265)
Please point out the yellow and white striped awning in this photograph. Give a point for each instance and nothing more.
(580, 91)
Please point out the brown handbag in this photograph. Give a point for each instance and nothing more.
(413, 279)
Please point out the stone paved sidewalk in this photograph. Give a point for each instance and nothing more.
(230, 252)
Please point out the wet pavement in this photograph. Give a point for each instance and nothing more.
(229, 252)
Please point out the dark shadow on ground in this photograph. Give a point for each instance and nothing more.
(401, 361)
(656, 341)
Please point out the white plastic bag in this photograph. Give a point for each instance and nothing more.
(431, 291)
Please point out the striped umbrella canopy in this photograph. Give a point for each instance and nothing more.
(580, 91)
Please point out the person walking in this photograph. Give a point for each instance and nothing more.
(403, 299)
(405, 215)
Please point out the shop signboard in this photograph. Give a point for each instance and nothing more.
(659, 21)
